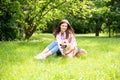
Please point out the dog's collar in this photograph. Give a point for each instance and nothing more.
(70, 51)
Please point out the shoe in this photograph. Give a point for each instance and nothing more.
(41, 56)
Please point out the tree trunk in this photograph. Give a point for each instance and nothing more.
(31, 27)
(29, 31)
(109, 31)
(108, 25)
(97, 31)
(53, 24)
(97, 28)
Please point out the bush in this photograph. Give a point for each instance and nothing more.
(8, 30)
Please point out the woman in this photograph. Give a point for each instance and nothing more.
(63, 31)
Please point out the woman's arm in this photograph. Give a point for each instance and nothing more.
(73, 40)
(59, 41)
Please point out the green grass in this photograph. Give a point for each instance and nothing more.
(101, 63)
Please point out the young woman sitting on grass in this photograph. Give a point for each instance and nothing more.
(63, 31)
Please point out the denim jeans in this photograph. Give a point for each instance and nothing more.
(53, 47)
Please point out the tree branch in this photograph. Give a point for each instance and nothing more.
(41, 10)
(51, 9)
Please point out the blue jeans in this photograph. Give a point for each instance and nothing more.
(53, 47)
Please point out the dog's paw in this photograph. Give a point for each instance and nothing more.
(69, 55)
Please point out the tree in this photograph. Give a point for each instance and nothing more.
(35, 12)
(9, 12)
(113, 16)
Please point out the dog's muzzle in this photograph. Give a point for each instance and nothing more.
(63, 46)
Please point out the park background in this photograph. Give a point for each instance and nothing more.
(20, 19)
(26, 28)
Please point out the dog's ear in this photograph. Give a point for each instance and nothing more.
(69, 40)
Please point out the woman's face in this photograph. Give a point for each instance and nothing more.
(63, 27)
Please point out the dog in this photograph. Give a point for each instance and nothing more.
(71, 51)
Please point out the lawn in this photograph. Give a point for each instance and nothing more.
(101, 63)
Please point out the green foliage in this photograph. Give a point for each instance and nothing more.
(37, 12)
(9, 12)
(101, 63)
(86, 16)
(8, 31)
(113, 17)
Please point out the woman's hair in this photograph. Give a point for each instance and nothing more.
(68, 31)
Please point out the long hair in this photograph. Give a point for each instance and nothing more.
(68, 31)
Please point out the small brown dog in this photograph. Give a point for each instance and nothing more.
(71, 51)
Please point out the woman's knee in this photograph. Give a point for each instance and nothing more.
(54, 49)
(51, 45)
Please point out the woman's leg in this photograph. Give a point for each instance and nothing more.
(48, 48)
(52, 51)
(47, 51)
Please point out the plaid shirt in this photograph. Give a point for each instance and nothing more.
(61, 36)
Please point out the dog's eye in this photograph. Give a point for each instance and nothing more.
(64, 42)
